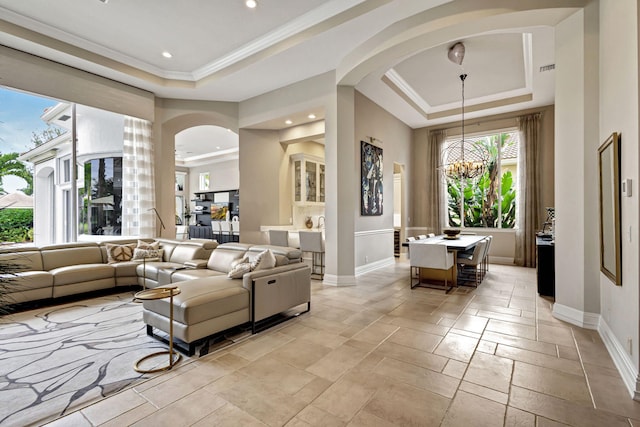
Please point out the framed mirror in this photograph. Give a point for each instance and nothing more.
(610, 244)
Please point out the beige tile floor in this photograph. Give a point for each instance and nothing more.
(381, 354)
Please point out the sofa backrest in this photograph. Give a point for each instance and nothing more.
(292, 254)
(185, 250)
(23, 259)
(55, 256)
(222, 257)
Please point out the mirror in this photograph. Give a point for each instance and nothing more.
(610, 245)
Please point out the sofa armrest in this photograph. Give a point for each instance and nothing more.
(196, 263)
(248, 278)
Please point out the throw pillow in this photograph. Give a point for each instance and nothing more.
(145, 245)
(239, 269)
(147, 254)
(242, 260)
(264, 260)
(119, 253)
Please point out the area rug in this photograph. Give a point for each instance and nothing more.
(58, 359)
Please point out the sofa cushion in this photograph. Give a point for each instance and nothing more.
(193, 273)
(81, 273)
(119, 253)
(293, 254)
(23, 260)
(203, 299)
(57, 256)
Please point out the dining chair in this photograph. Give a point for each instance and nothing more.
(422, 236)
(431, 235)
(411, 239)
(235, 230)
(485, 260)
(435, 258)
(312, 241)
(279, 237)
(473, 261)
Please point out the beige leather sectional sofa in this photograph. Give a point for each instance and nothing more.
(209, 301)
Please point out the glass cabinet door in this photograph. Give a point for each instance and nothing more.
(321, 184)
(310, 170)
(297, 180)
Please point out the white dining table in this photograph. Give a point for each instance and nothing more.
(462, 242)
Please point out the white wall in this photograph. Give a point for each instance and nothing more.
(619, 113)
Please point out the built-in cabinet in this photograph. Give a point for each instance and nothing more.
(308, 180)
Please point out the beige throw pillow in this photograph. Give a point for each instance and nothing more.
(147, 254)
(120, 253)
(239, 269)
(264, 260)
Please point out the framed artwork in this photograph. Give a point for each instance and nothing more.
(370, 179)
(610, 242)
(204, 181)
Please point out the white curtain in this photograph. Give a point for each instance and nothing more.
(138, 184)
(528, 192)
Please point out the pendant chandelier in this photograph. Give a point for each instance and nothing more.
(463, 159)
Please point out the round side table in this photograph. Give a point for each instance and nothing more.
(159, 293)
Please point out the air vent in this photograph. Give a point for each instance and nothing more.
(547, 68)
(64, 118)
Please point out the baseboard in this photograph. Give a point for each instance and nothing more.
(576, 317)
(335, 280)
(375, 265)
(621, 359)
(503, 260)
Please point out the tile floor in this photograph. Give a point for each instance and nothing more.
(381, 354)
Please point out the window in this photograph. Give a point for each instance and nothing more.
(101, 208)
(66, 170)
(490, 199)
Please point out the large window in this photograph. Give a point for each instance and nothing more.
(488, 200)
(101, 210)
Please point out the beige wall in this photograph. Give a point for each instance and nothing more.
(374, 234)
(503, 245)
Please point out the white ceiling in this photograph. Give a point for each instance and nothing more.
(224, 51)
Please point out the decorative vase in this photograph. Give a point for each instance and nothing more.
(308, 222)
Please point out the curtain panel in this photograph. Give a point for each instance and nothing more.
(528, 191)
(138, 184)
(436, 202)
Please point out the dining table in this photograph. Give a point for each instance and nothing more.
(459, 243)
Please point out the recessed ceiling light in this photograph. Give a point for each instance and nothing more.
(288, 122)
(167, 54)
(312, 116)
(217, 147)
(251, 3)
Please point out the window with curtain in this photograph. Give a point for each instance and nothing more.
(487, 201)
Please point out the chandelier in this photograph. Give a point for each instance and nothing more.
(463, 159)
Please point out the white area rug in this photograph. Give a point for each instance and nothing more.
(56, 360)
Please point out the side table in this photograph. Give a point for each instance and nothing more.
(159, 293)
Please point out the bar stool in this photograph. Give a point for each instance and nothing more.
(279, 237)
(311, 241)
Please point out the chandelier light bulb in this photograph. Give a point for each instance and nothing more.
(251, 3)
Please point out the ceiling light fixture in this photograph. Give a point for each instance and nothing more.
(288, 122)
(312, 116)
(251, 3)
(463, 159)
(167, 55)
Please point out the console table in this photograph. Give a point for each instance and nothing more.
(545, 267)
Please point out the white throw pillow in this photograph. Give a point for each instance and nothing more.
(147, 254)
(239, 269)
(264, 261)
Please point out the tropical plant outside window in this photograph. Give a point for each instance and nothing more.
(489, 200)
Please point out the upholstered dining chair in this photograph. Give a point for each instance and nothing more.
(474, 262)
(422, 236)
(279, 237)
(431, 235)
(312, 241)
(435, 258)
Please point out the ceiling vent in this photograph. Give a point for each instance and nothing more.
(64, 118)
(547, 68)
